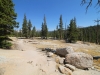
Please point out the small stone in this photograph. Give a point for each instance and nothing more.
(64, 70)
(71, 67)
(49, 54)
(61, 61)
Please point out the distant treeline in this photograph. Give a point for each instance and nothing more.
(71, 33)
(90, 34)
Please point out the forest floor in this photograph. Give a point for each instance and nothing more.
(27, 58)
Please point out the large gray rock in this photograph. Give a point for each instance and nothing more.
(64, 51)
(79, 60)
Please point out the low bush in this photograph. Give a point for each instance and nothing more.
(5, 44)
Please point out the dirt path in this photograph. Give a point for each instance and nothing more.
(25, 61)
(28, 60)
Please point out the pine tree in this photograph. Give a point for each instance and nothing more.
(54, 34)
(72, 31)
(33, 32)
(91, 34)
(97, 34)
(29, 28)
(38, 33)
(89, 3)
(61, 27)
(57, 33)
(20, 33)
(65, 33)
(81, 34)
(25, 27)
(44, 30)
(7, 21)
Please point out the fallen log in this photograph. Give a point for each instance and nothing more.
(96, 57)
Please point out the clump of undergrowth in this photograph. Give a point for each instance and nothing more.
(5, 44)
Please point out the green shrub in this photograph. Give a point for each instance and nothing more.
(5, 44)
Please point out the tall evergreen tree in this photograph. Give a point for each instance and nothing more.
(65, 33)
(29, 28)
(61, 27)
(33, 32)
(97, 34)
(7, 21)
(38, 33)
(44, 30)
(81, 38)
(57, 33)
(54, 34)
(20, 33)
(25, 27)
(72, 31)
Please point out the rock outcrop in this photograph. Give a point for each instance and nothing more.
(64, 51)
(79, 60)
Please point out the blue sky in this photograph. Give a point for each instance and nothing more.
(35, 10)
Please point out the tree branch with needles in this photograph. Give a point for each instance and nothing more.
(89, 3)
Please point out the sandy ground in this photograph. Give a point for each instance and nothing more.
(86, 47)
(27, 59)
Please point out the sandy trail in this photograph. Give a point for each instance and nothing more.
(27, 62)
